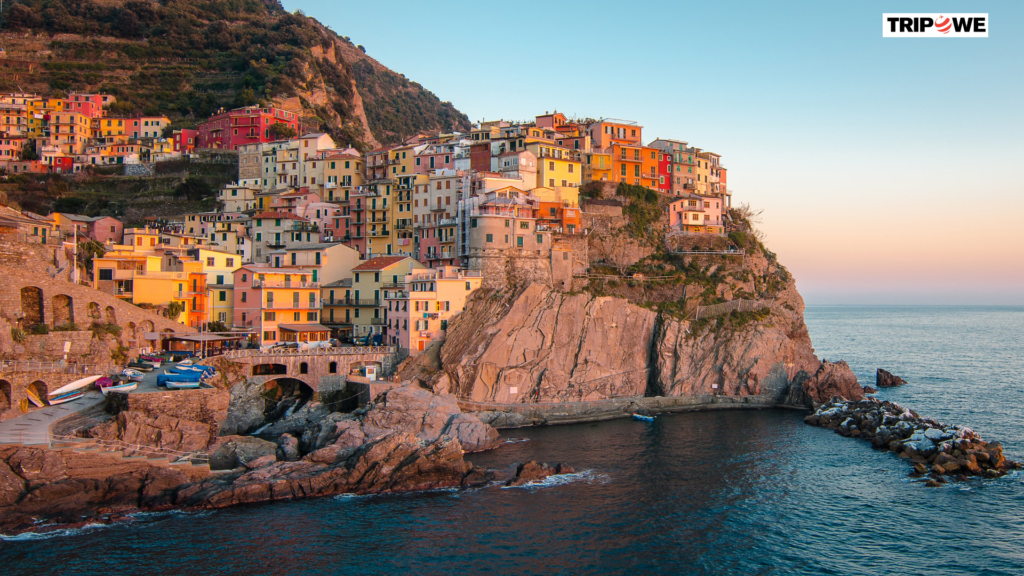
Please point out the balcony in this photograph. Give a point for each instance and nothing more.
(403, 226)
(350, 302)
(293, 305)
(391, 285)
(439, 208)
(377, 321)
(379, 233)
(283, 284)
(448, 222)
(397, 295)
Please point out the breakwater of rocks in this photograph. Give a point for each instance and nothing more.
(936, 451)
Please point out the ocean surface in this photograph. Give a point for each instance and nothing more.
(744, 492)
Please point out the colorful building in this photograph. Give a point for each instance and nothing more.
(278, 304)
(419, 312)
(252, 124)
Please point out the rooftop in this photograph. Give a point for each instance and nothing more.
(380, 262)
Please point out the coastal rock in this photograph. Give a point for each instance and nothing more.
(885, 379)
(261, 462)
(870, 390)
(929, 445)
(11, 485)
(288, 448)
(156, 430)
(833, 379)
(533, 472)
(426, 415)
(231, 452)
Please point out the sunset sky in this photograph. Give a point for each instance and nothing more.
(887, 169)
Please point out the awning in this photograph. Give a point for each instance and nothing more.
(304, 327)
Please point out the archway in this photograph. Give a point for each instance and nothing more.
(37, 392)
(282, 395)
(269, 369)
(31, 305)
(132, 331)
(111, 315)
(5, 395)
(63, 309)
(94, 311)
(146, 326)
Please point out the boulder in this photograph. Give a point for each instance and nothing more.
(288, 448)
(870, 390)
(832, 379)
(885, 379)
(261, 462)
(472, 434)
(11, 485)
(532, 472)
(230, 452)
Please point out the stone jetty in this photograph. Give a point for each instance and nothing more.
(935, 450)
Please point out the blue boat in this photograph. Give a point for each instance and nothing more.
(165, 379)
(643, 418)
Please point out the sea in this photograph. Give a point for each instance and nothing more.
(732, 492)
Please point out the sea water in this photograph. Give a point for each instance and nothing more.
(741, 492)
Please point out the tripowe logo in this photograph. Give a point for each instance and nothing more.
(935, 25)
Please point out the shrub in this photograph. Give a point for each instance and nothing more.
(66, 327)
(38, 329)
(99, 329)
(18, 335)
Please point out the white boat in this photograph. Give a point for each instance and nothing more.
(72, 391)
(185, 362)
(122, 387)
(182, 385)
(133, 375)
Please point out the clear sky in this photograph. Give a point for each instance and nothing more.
(888, 169)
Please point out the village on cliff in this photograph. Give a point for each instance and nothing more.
(314, 242)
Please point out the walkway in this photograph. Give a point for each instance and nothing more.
(33, 428)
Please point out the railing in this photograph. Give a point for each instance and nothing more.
(397, 295)
(378, 233)
(284, 305)
(283, 284)
(349, 302)
(447, 222)
(734, 305)
(350, 350)
(377, 321)
(60, 367)
(393, 285)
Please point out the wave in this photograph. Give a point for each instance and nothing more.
(585, 476)
(516, 440)
(58, 533)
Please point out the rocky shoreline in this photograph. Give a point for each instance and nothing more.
(937, 451)
(410, 440)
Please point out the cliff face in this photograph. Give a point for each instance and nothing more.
(545, 346)
(542, 346)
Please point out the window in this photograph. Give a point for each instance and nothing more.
(222, 296)
(472, 222)
(269, 316)
(230, 261)
(524, 225)
(106, 273)
(467, 286)
(220, 279)
(490, 238)
(303, 368)
(270, 335)
(332, 367)
(519, 241)
(540, 238)
(245, 277)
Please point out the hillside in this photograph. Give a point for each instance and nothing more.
(187, 59)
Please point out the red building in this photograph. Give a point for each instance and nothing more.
(250, 125)
(184, 140)
(664, 172)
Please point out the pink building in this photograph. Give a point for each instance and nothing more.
(435, 157)
(250, 125)
(695, 214)
(420, 313)
(184, 140)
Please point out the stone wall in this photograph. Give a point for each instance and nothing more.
(14, 387)
(510, 267)
(206, 405)
(321, 372)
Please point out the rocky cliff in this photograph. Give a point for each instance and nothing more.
(540, 346)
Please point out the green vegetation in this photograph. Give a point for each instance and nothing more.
(189, 59)
(174, 309)
(18, 335)
(38, 329)
(643, 211)
(99, 330)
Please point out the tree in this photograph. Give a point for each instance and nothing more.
(128, 24)
(216, 326)
(245, 97)
(281, 131)
(21, 16)
(194, 188)
(28, 151)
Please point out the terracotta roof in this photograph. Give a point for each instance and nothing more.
(276, 215)
(380, 262)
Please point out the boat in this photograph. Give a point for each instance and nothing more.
(185, 362)
(643, 417)
(105, 381)
(182, 385)
(125, 386)
(168, 379)
(133, 375)
(72, 391)
(141, 366)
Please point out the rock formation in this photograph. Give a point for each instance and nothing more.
(885, 379)
(932, 447)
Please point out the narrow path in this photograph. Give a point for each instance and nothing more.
(33, 428)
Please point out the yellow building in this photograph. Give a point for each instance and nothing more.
(369, 280)
(401, 240)
(110, 129)
(377, 213)
(557, 166)
(342, 173)
(70, 131)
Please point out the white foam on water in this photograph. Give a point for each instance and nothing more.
(59, 533)
(516, 440)
(585, 476)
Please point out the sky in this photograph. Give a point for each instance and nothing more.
(887, 169)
